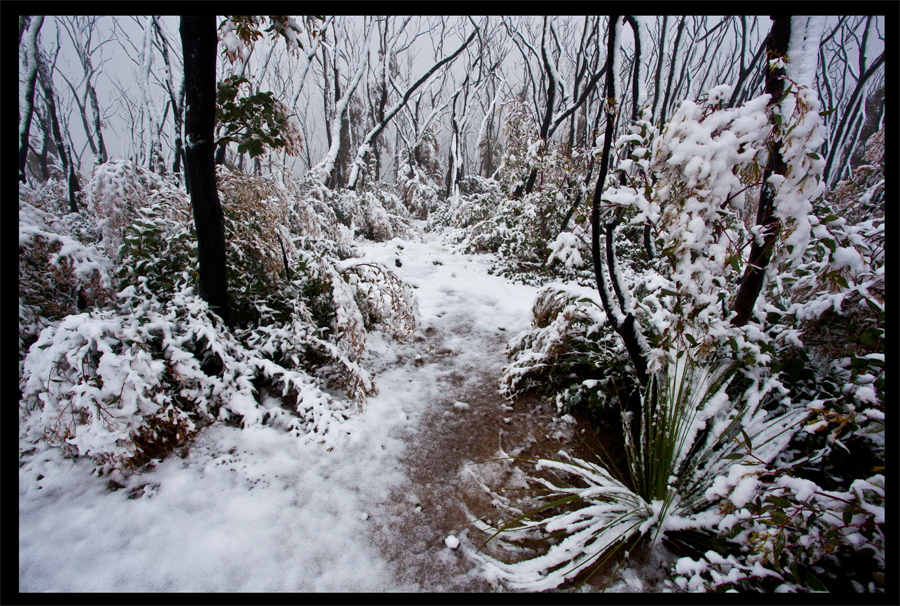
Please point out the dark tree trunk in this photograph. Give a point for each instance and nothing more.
(198, 36)
(662, 110)
(625, 329)
(751, 283)
(659, 65)
(44, 75)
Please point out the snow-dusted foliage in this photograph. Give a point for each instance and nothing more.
(784, 467)
(146, 364)
(489, 217)
(419, 181)
(60, 269)
(116, 189)
(570, 351)
(691, 433)
(374, 211)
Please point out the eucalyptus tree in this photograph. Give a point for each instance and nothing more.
(839, 70)
(31, 71)
(52, 123)
(89, 50)
(339, 50)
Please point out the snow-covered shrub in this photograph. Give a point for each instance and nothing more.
(374, 211)
(115, 190)
(383, 300)
(419, 184)
(258, 240)
(139, 374)
(570, 352)
(58, 273)
(521, 231)
(817, 522)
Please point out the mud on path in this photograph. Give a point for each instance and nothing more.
(457, 419)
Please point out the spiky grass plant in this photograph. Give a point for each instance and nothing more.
(693, 444)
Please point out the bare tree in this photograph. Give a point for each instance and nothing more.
(389, 114)
(45, 75)
(585, 75)
(81, 31)
(153, 130)
(336, 101)
(176, 98)
(31, 71)
(841, 137)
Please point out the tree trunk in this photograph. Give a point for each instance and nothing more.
(621, 323)
(751, 283)
(50, 96)
(198, 37)
(30, 78)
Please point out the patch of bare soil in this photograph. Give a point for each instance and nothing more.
(470, 424)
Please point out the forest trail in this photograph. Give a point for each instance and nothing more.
(459, 417)
(256, 509)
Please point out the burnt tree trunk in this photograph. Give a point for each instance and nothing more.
(198, 36)
(760, 254)
(622, 323)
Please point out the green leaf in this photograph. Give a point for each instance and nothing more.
(779, 547)
(781, 502)
(827, 112)
(746, 438)
(735, 264)
(814, 583)
(829, 244)
(829, 219)
(847, 516)
(869, 337)
(794, 572)
(813, 155)
(873, 305)
(667, 293)
(879, 577)
(735, 456)
(780, 516)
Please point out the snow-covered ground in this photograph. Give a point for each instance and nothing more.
(256, 510)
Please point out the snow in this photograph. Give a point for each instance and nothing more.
(257, 509)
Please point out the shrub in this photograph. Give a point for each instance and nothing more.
(569, 352)
(689, 438)
(144, 370)
(58, 274)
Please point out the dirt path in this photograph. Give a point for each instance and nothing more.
(464, 420)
